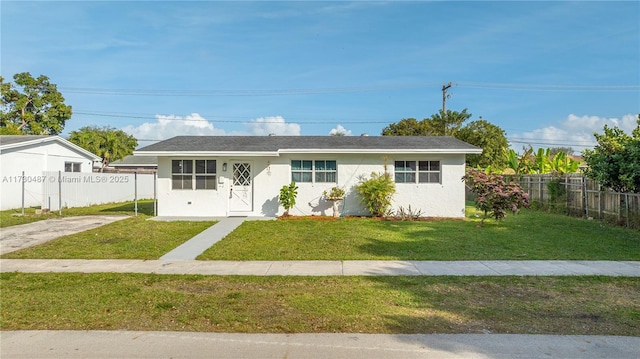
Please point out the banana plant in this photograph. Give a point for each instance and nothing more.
(512, 160)
(563, 164)
(542, 162)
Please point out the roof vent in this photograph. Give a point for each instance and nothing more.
(272, 134)
(364, 134)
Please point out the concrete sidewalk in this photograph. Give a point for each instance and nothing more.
(328, 268)
(143, 345)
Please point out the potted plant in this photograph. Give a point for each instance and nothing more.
(335, 194)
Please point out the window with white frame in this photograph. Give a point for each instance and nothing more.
(205, 174)
(417, 172)
(314, 171)
(325, 171)
(187, 174)
(72, 166)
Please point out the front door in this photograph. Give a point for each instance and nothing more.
(241, 196)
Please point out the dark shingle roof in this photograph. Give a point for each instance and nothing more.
(136, 161)
(13, 139)
(292, 143)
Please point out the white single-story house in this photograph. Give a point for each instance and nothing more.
(23, 159)
(243, 175)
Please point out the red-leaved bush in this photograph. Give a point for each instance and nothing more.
(494, 196)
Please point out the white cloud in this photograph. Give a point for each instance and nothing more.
(340, 129)
(170, 125)
(264, 126)
(575, 132)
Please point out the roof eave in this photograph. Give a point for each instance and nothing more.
(393, 151)
(59, 139)
(303, 151)
(206, 153)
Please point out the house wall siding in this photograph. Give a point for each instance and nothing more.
(445, 199)
(33, 160)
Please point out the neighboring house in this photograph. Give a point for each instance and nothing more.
(242, 175)
(31, 156)
(131, 164)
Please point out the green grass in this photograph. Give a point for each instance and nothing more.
(527, 236)
(13, 217)
(534, 305)
(131, 238)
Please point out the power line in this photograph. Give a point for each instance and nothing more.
(185, 119)
(363, 88)
(561, 144)
(549, 87)
(241, 92)
(524, 139)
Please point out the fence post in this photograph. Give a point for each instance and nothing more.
(540, 194)
(59, 192)
(155, 194)
(626, 204)
(601, 193)
(566, 191)
(585, 206)
(23, 193)
(135, 193)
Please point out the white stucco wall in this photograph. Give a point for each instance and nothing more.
(445, 199)
(33, 160)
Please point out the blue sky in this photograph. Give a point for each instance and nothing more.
(549, 73)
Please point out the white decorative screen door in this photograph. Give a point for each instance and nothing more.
(241, 196)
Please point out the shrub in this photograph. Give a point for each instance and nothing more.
(377, 192)
(408, 214)
(557, 193)
(288, 196)
(334, 193)
(494, 196)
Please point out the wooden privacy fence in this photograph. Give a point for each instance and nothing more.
(579, 196)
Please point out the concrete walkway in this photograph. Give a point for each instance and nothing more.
(203, 240)
(328, 268)
(30, 234)
(143, 345)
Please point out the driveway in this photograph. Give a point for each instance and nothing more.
(26, 235)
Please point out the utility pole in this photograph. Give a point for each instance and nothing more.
(444, 107)
(445, 96)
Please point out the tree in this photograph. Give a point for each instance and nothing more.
(494, 196)
(439, 124)
(107, 142)
(448, 124)
(408, 127)
(32, 106)
(615, 161)
(288, 196)
(490, 138)
(481, 133)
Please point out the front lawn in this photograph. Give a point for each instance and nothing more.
(131, 238)
(527, 305)
(527, 236)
